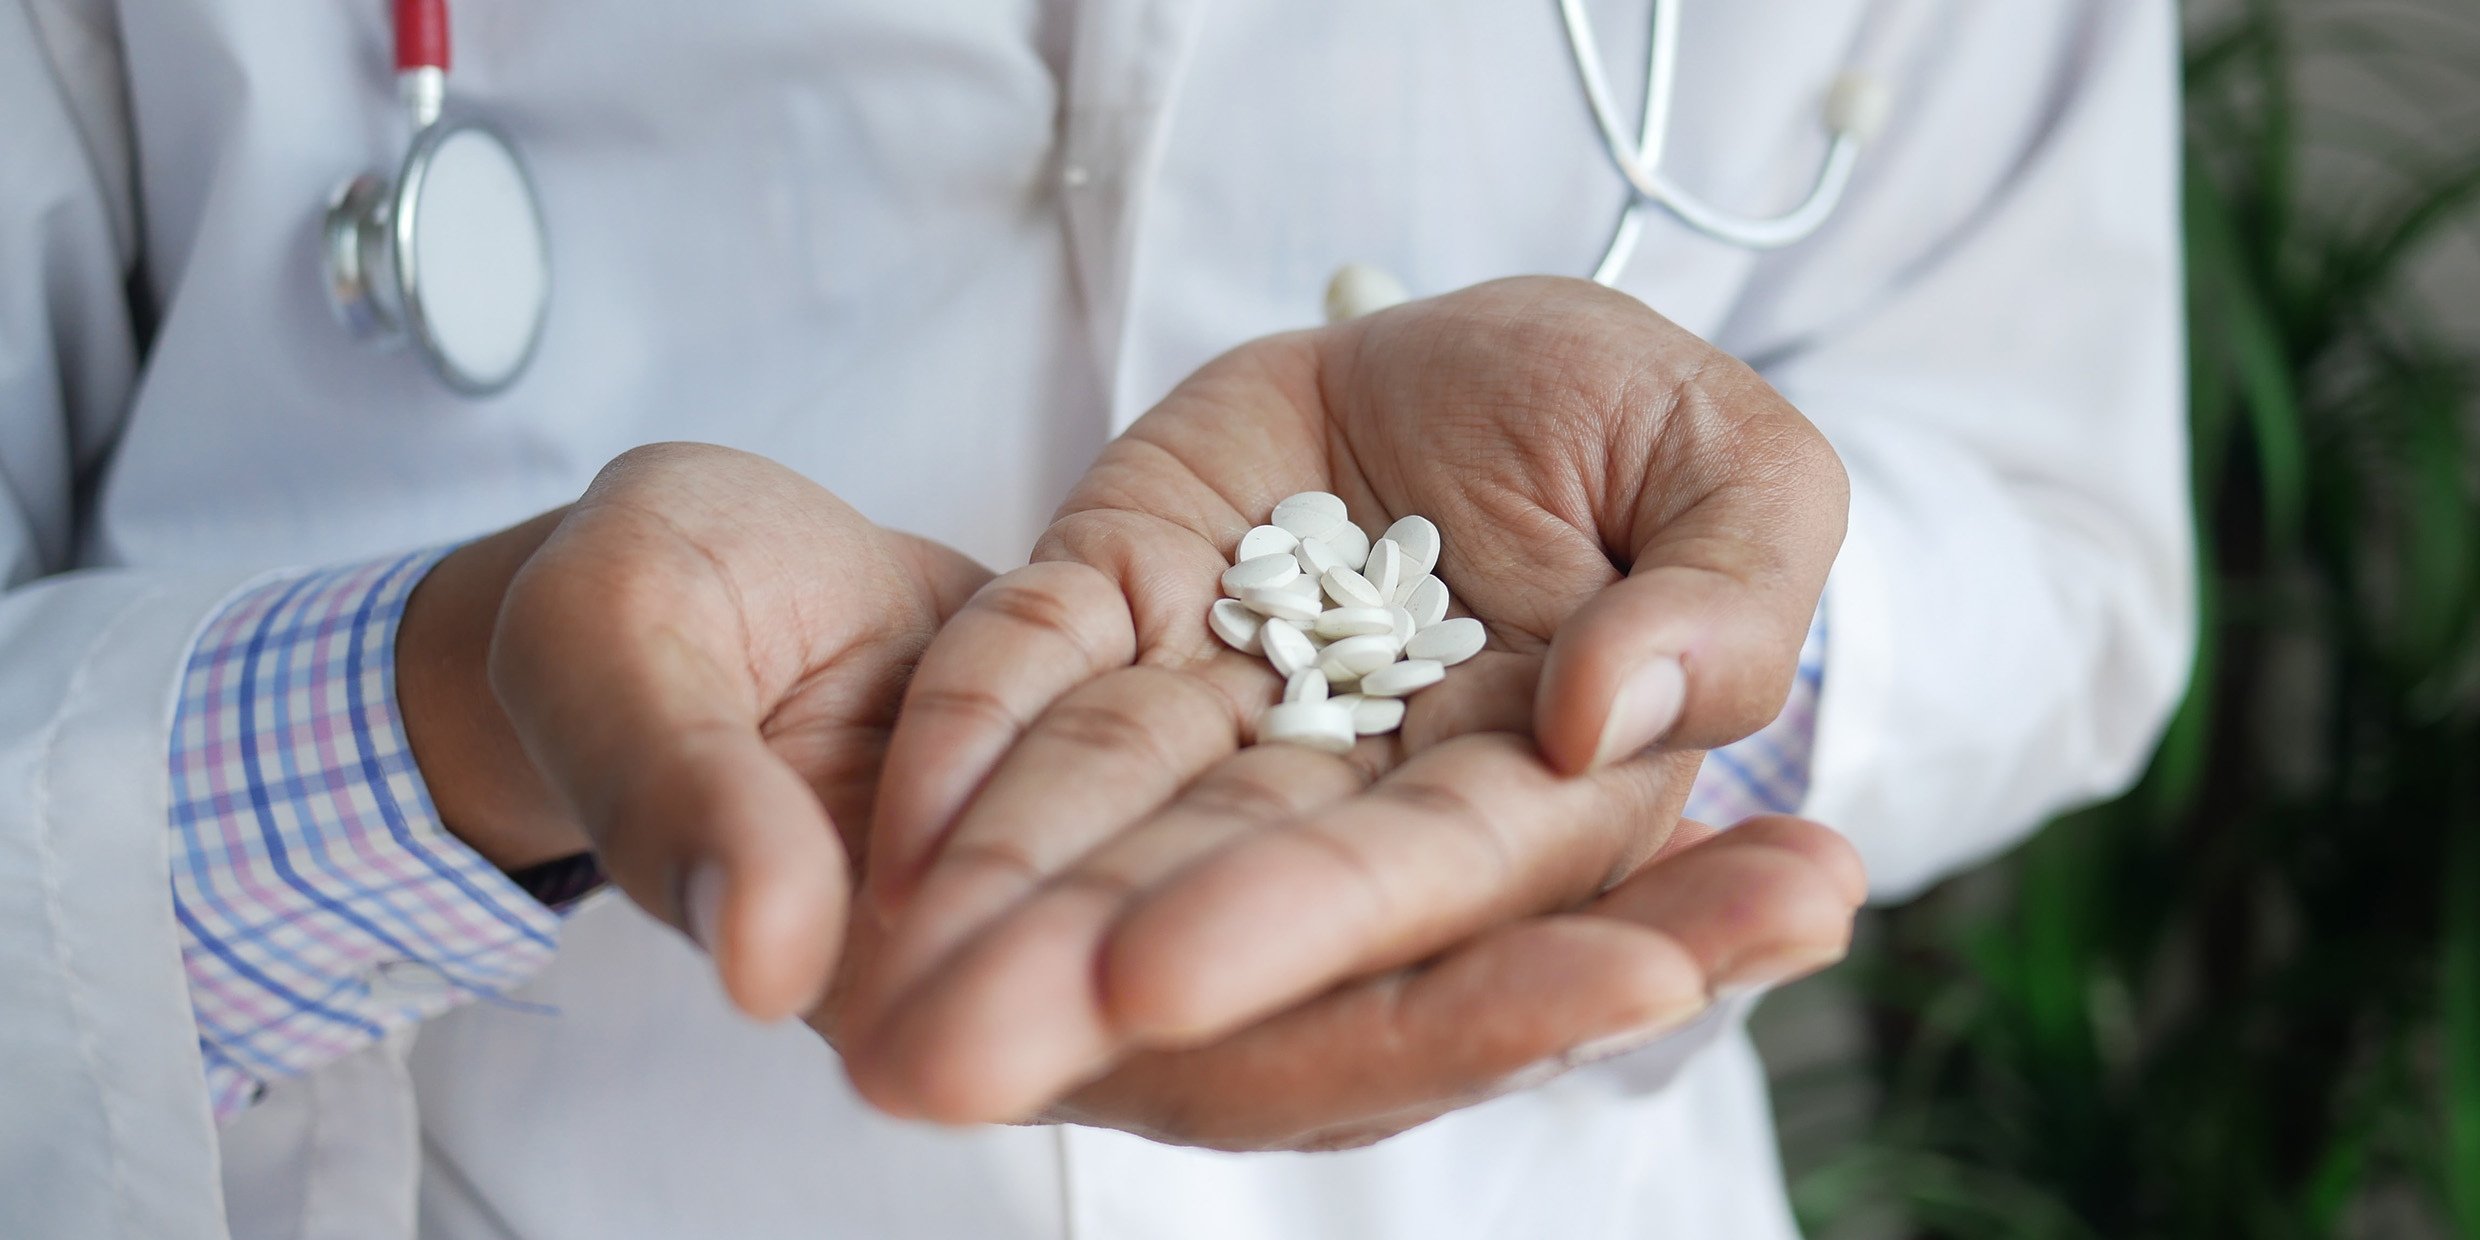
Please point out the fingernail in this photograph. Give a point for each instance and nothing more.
(1611, 1045)
(701, 900)
(1769, 971)
(1646, 706)
(1533, 1075)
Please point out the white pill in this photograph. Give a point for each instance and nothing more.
(1355, 657)
(1318, 725)
(1427, 601)
(1307, 587)
(1419, 539)
(1310, 514)
(1287, 647)
(1362, 288)
(1448, 641)
(1280, 603)
(1266, 540)
(1403, 627)
(1398, 679)
(1350, 589)
(1374, 716)
(1306, 685)
(1351, 542)
(1341, 622)
(1385, 569)
(1316, 557)
(1264, 570)
(1235, 624)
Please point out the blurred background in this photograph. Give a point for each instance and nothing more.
(2243, 999)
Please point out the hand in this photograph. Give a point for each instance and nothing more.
(1082, 870)
(699, 663)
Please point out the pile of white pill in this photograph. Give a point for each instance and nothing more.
(1352, 626)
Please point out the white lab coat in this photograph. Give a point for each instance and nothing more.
(931, 252)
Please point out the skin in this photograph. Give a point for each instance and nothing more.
(1080, 898)
(1081, 870)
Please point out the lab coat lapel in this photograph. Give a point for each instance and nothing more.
(1129, 59)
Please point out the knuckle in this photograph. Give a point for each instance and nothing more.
(1104, 726)
(1248, 798)
(973, 703)
(1029, 606)
(1001, 854)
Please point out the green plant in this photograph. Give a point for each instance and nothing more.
(2244, 999)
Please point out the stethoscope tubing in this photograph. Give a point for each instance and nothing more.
(1639, 160)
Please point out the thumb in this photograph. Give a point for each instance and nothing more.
(1698, 645)
(649, 734)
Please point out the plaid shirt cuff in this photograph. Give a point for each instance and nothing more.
(321, 903)
(1767, 772)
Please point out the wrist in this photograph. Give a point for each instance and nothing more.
(485, 788)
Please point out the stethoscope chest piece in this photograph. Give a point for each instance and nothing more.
(452, 257)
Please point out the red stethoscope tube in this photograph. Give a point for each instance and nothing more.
(421, 35)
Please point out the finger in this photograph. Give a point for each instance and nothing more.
(1388, 1053)
(1467, 834)
(1490, 692)
(1008, 1021)
(654, 745)
(1507, 1010)
(1697, 646)
(1764, 902)
(1108, 753)
(948, 578)
(1012, 650)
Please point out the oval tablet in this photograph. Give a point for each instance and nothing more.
(1307, 587)
(1449, 641)
(1344, 622)
(1349, 541)
(1427, 601)
(1306, 685)
(1374, 716)
(1351, 589)
(1265, 540)
(1385, 569)
(1397, 679)
(1236, 625)
(1316, 557)
(1310, 514)
(1419, 539)
(1286, 647)
(1355, 657)
(1265, 570)
(1318, 725)
(1404, 627)
(1280, 603)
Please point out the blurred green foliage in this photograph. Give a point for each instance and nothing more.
(2244, 999)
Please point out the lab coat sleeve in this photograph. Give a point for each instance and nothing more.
(108, 1132)
(1990, 334)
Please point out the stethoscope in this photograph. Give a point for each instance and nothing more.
(1855, 110)
(451, 255)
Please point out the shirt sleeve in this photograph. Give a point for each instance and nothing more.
(320, 901)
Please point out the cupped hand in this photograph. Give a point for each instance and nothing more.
(1086, 880)
(693, 670)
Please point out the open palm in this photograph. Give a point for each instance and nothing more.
(1088, 887)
